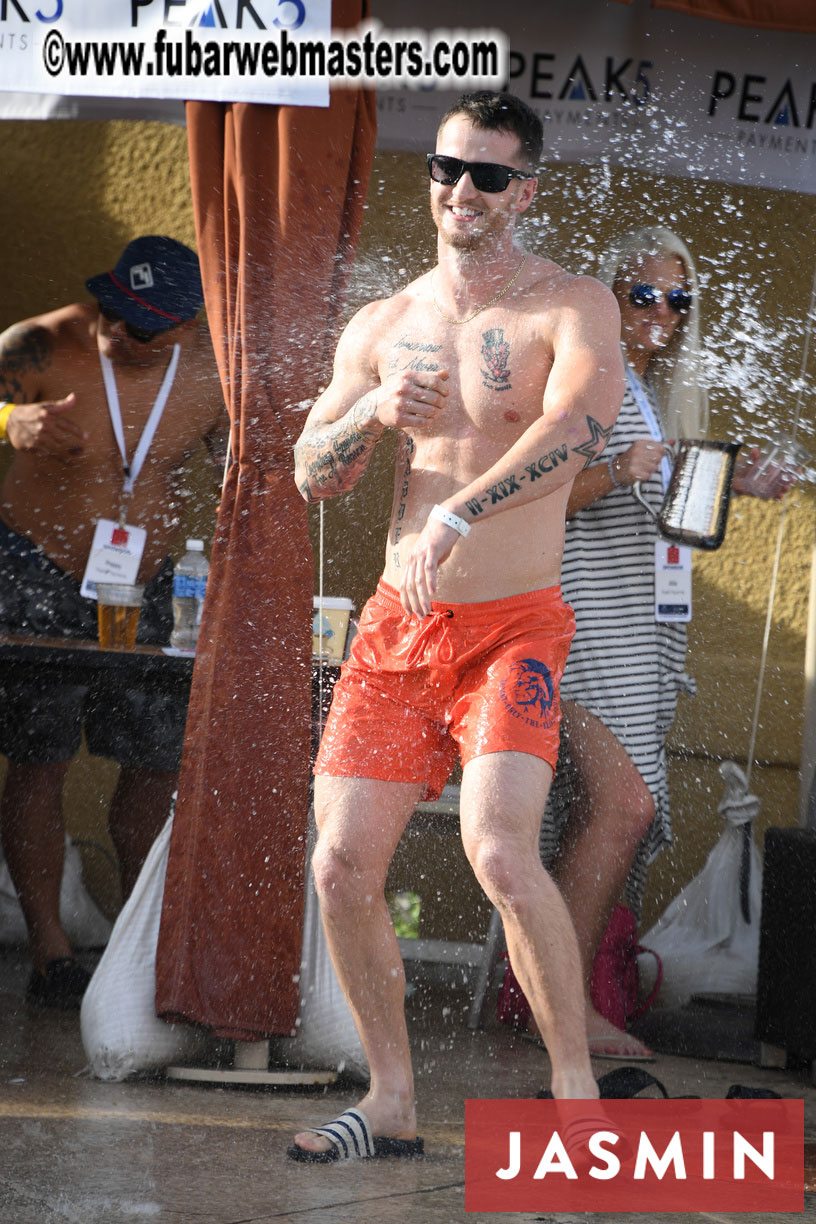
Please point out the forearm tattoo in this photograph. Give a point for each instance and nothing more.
(24, 350)
(548, 462)
(334, 456)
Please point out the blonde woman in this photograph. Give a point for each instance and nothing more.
(625, 668)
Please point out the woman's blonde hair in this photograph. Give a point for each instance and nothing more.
(676, 371)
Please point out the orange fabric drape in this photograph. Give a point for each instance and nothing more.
(798, 15)
(278, 195)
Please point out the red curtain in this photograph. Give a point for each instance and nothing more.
(278, 195)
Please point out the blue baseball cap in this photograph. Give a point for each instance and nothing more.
(155, 285)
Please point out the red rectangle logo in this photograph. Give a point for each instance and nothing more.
(634, 1155)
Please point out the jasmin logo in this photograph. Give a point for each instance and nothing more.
(634, 1155)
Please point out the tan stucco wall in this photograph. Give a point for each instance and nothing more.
(74, 193)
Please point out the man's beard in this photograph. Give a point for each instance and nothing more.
(468, 241)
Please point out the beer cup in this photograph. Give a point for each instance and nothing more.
(118, 607)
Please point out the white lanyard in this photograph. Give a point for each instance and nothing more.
(132, 470)
(647, 412)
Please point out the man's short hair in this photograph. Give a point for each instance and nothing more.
(502, 112)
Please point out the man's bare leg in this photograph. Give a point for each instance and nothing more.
(612, 810)
(138, 810)
(33, 834)
(502, 798)
(360, 822)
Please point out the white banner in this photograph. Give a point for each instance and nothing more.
(216, 50)
(658, 91)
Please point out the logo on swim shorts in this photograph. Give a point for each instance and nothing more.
(529, 692)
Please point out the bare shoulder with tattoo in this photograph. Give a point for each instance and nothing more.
(342, 430)
(31, 350)
(25, 353)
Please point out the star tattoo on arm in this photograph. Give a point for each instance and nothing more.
(598, 438)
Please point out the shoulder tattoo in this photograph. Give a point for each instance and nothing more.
(24, 350)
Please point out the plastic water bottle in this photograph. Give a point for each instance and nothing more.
(189, 585)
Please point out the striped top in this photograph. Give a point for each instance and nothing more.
(624, 667)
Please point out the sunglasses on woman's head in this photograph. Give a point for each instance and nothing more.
(485, 176)
(141, 334)
(649, 295)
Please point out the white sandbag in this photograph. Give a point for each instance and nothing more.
(703, 940)
(326, 1035)
(121, 1032)
(82, 920)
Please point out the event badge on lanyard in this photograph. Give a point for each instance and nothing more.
(672, 562)
(117, 548)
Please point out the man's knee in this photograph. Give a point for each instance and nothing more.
(340, 874)
(504, 874)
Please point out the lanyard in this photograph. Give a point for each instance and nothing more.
(132, 470)
(643, 402)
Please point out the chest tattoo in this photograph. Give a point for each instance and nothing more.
(413, 355)
(495, 360)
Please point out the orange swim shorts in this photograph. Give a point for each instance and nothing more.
(468, 680)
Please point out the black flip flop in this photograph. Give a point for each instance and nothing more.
(351, 1138)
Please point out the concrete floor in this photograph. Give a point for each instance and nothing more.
(79, 1151)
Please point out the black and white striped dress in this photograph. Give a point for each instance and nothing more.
(624, 667)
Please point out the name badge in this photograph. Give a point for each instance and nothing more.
(116, 554)
(672, 581)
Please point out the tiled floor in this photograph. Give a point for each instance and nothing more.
(74, 1150)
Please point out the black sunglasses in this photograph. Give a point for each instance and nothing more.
(648, 295)
(141, 334)
(485, 176)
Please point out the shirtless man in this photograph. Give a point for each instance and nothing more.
(67, 474)
(503, 376)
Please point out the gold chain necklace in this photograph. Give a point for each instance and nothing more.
(478, 309)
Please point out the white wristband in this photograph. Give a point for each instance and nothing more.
(610, 463)
(450, 520)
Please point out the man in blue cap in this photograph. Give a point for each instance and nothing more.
(102, 402)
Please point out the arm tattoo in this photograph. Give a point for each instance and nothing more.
(335, 455)
(548, 462)
(598, 438)
(24, 350)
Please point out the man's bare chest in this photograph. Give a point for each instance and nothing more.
(494, 367)
(176, 412)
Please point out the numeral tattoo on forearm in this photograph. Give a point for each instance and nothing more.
(589, 450)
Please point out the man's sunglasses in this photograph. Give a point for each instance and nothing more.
(485, 176)
(648, 295)
(136, 333)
